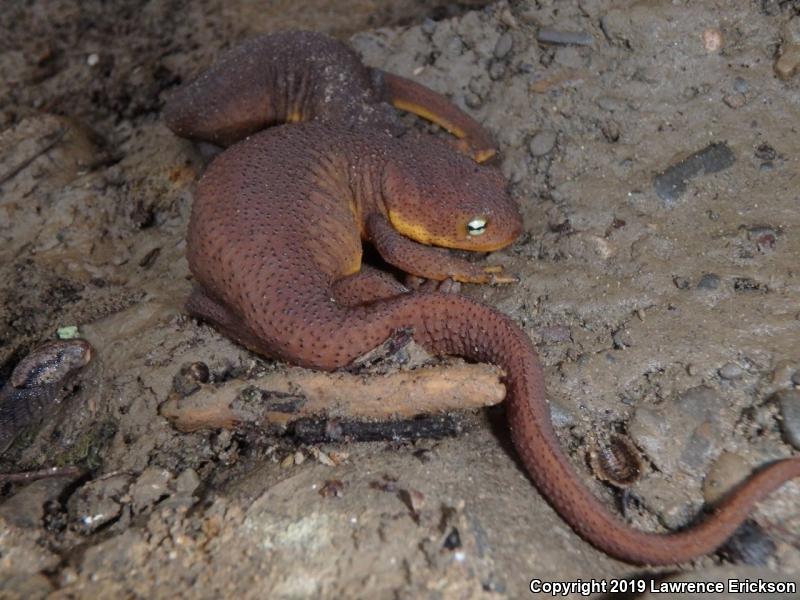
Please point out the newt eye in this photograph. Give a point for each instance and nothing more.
(477, 226)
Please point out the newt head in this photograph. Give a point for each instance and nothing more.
(439, 197)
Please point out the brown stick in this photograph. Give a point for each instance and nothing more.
(286, 395)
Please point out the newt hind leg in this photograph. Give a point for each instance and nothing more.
(205, 307)
(367, 285)
(408, 95)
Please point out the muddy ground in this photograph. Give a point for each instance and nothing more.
(668, 315)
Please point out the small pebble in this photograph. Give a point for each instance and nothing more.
(151, 487)
(428, 26)
(496, 70)
(788, 62)
(709, 281)
(542, 143)
(611, 104)
(740, 85)
(503, 46)
(455, 47)
(673, 182)
(473, 100)
(682, 283)
(333, 488)
(712, 39)
(611, 130)
(622, 339)
(98, 502)
(725, 473)
(553, 36)
(735, 101)
(731, 371)
(187, 482)
(92, 59)
(796, 378)
(789, 403)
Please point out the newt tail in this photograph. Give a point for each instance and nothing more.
(455, 325)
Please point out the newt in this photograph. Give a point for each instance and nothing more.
(298, 76)
(275, 245)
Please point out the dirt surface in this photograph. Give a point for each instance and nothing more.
(657, 170)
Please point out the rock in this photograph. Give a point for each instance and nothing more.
(672, 182)
(560, 415)
(151, 487)
(731, 371)
(542, 143)
(670, 502)
(187, 482)
(504, 45)
(709, 281)
(22, 586)
(683, 434)
(611, 104)
(725, 473)
(622, 338)
(496, 70)
(682, 283)
(99, 501)
(734, 101)
(569, 57)
(789, 404)
(616, 25)
(712, 39)
(611, 130)
(473, 100)
(26, 508)
(788, 62)
(564, 38)
(740, 85)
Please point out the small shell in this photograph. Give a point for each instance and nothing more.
(618, 462)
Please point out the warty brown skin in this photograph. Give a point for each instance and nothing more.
(297, 76)
(275, 245)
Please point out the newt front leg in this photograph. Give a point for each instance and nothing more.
(425, 261)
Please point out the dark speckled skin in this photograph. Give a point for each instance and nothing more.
(37, 383)
(302, 76)
(275, 236)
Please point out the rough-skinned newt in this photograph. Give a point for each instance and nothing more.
(275, 242)
(301, 76)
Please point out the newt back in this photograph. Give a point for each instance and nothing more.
(298, 76)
